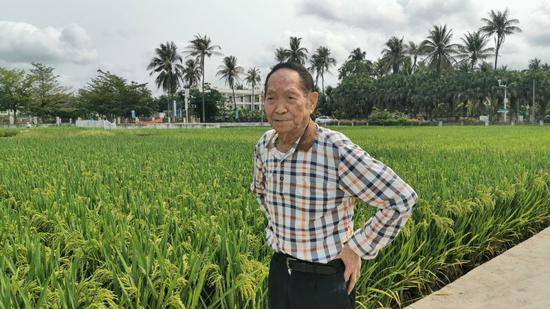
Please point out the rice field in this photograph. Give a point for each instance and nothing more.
(164, 218)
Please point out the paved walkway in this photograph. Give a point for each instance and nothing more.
(518, 278)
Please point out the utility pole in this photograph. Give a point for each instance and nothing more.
(505, 111)
(187, 90)
(533, 109)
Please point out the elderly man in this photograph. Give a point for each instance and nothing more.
(306, 179)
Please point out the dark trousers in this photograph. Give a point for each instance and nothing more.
(300, 290)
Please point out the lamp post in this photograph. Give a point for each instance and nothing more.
(505, 111)
(186, 99)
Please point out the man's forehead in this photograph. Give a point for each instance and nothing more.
(284, 78)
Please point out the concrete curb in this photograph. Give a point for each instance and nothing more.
(517, 278)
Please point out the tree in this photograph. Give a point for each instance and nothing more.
(473, 48)
(49, 98)
(534, 64)
(356, 64)
(379, 68)
(314, 68)
(350, 98)
(326, 106)
(354, 68)
(414, 50)
(110, 95)
(167, 65)
(15, 91)
(439, 49)
(296, 53)
(191, 73)
(211, 99)
(201, 47)
(357, 55)
(485, 67)
(500, 25)
(321, 62)
(394, 54)
(230, 72)
(280, 55)
(252, 78)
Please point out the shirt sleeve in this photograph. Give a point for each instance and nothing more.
(258, 179)
(368, 179)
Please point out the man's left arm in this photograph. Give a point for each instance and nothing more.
(378, 185)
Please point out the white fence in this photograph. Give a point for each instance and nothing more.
(105, 124)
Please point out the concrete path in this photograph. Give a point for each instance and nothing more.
(518, 278)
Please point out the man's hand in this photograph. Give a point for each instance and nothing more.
(353, 266)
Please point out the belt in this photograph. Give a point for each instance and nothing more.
(294, 264)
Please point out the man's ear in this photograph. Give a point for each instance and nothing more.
(313, 98)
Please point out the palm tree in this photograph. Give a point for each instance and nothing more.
(230, 71)
(499, 24)
(357, 55)
(296, 53)
(167, 64)
(315, 67)
(473, 48)
(439, 49)
(252, 78)
(280, 55)
(394, 54)
(414, 50)
(201, 47)
(321, 62)
(355, 64)
(191, 73)
(485, 67)
(379, 68)
(534, 64)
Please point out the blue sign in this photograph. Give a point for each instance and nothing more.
(133, 114)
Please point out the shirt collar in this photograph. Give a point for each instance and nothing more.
(303, 143)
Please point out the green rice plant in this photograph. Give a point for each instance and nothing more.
(164, 218)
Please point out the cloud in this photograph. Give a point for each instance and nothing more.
(368, 15)
(24, 42)
(392, 17)
(536, 27)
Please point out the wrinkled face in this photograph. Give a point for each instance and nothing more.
(287, 106)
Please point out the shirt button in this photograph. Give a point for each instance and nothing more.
(282, 178)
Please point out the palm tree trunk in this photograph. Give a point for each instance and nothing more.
(203, 109)
(168, 105)
(323, 83)
(234, 100)
(253, 98)
(317, 79)
(496, 52)
(172, 92)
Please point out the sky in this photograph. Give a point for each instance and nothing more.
(79, 37)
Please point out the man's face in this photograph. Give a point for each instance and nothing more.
(287, 106)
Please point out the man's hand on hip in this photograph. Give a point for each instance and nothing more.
(352, 261)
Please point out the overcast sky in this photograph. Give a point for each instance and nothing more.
(79, 37)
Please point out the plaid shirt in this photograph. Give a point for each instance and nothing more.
(309, 195)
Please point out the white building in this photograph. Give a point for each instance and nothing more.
(243, 98)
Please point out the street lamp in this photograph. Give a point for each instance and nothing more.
(505, 111)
